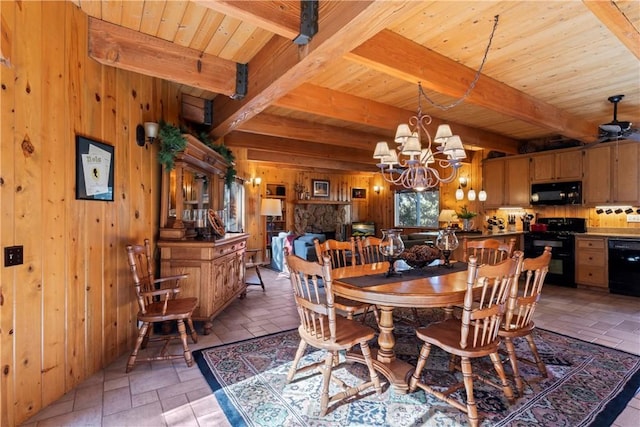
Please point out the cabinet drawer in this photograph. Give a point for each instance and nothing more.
(593, 258)
(592, 276)
(591, 243)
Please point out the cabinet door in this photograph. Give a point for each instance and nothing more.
(543, 168)
(597, 175)
(626, 178)
(568, 165)
(517, 186)
(494, 182)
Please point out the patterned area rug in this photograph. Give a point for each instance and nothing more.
(587, 385)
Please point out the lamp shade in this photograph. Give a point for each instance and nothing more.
(447, 215)
(459, 194)
(403, 132)
(151, 129)
(453, 148)
(412, 146)
(382, 150)
(442, 134)
(271, 207)
(482, 195)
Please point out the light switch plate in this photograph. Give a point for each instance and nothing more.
(633, 218)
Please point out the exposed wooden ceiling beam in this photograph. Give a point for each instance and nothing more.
(131, 50)
(286, 146)
(281, 65)
(397, 56)
(273, 125)
(305, 162)
(329, 103)
(279, 17)
(612, 17)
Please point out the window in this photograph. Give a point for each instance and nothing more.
(417, 209)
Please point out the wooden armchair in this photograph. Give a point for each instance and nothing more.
(489, 251)
(322, 329)
(518, 320)
(158, 302)
(343, 254)
(473, 336)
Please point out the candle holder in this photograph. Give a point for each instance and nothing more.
(391, 246)
(447, 242)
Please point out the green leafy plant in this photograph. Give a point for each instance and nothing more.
(226, 153)
(171, 142)
(465, 213)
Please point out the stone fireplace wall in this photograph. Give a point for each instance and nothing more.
(320, 218)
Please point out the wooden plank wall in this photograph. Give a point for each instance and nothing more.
(69, 309)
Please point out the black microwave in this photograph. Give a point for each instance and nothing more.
(557, 193)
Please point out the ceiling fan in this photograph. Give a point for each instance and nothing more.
(616, 129)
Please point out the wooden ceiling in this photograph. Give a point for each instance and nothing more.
(551, 67)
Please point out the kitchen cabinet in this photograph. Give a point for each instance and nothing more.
(506, 182)
(611, 174)
(591, 261)
(214, 264)
(215, 269)
(559, 166)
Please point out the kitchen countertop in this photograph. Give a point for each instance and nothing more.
(610, 235)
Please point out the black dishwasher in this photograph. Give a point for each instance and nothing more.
(624, 266)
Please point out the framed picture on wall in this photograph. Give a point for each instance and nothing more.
(358, 193)
(94, 170)
(320, 188)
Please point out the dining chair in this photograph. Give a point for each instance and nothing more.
(488, 251)
(343, 254)
(158, 302)
(369, 250)
(474, 335)
(322, 329)
(518, 320)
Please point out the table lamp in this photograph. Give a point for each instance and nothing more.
(270, 208)
(447, 215)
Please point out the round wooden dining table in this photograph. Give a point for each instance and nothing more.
(431, 291)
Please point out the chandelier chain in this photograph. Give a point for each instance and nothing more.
(475, 79)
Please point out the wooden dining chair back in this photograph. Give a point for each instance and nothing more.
(518, 320)
(489, 251)
(158, 302)
(474, 335)
(342, 254)
(369, 250)
(322, 329)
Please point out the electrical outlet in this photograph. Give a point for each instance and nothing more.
(633, 218)
(13, 255)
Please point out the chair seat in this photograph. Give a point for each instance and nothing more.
(176, 309)
(446, 335)
(348, 334)
(515, 331)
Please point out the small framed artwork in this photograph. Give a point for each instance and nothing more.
(320, 188)
(358, 193)
(94, 170)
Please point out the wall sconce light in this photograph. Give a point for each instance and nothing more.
(255, 181)
(377, 189)
(146, 132)
(463, 181)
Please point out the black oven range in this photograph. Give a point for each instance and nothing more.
(560, 235)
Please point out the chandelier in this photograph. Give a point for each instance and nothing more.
(413, 165)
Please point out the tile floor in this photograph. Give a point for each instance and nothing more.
(170, 394)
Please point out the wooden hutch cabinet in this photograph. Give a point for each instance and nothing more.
(215, 265)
